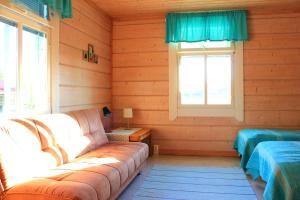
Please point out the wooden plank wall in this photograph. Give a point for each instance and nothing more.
(82, 84)
(272, 84)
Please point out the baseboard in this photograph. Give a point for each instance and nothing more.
(198, 153)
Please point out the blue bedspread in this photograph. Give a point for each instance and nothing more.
(247, 139)
(278, 163)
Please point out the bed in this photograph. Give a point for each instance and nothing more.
(278, 164)
(247, 139)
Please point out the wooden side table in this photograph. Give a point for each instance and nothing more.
(132, 135)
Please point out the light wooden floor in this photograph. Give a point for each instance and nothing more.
(258, 186)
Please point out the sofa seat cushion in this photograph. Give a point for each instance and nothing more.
(97, 166)
(122, 167)
(102, 181)
(47, 189)
(138, 151)
(125, 156)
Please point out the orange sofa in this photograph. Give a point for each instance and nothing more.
(65, 156)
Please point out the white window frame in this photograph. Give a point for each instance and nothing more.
(22, 17)
(236, 109)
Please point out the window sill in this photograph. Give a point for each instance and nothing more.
(209, 112)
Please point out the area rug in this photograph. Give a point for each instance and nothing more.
(195, 183)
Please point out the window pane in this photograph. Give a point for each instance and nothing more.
(34, 80)
(205, 45)
(219, 79)
(8, 66)
(191, 79)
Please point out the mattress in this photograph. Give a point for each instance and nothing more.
(278, 164)
(247, 139)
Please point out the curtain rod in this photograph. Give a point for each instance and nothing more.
(207, 11)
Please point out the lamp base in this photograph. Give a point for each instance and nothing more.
(107, 124)
(128, 127)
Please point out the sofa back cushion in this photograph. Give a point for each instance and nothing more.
(91, 126)
(21, 155)
(64, 132)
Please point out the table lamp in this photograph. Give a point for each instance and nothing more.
(127, 114)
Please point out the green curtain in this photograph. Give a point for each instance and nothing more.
(63, 7)
(203, 26)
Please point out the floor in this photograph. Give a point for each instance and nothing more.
(258, 186)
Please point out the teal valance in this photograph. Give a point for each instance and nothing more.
(63, 7)
(203, 26)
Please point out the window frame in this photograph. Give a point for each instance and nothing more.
(235, 109)
(23, 17)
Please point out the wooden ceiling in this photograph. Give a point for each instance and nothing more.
(133, 8)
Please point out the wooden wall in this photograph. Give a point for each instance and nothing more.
(83, 84)
(271, 73)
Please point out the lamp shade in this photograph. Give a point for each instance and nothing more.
(127, 113)
(106, 112)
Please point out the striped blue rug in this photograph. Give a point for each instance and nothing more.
(195, 183)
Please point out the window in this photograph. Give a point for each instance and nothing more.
(206, 79)
(25, 60)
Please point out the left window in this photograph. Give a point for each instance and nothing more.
(24, 64)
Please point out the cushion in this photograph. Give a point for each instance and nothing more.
(126, 157)
(21, 156)
(91, 126)
(47, 189)
(63, 132)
